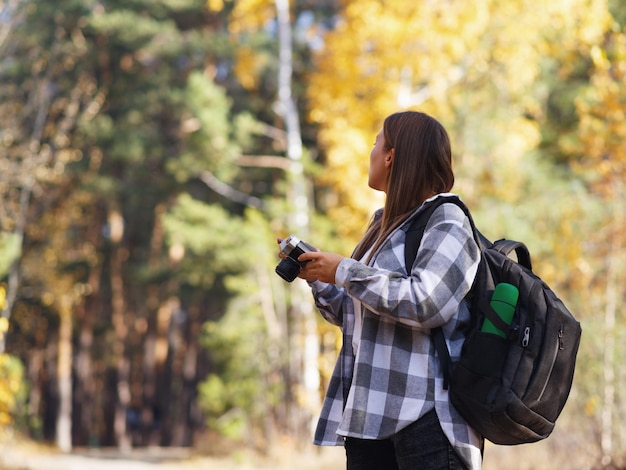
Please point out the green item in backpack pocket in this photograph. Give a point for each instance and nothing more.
(503, 301)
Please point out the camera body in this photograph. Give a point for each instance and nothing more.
(291, 247)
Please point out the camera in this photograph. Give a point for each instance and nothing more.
(292, 247)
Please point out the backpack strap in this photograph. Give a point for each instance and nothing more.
(414, 234)
(444, 355)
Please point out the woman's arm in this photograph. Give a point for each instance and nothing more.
(329, 300)
(441, 276)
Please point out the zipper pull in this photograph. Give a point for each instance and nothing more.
(526, 338)
(561, 347)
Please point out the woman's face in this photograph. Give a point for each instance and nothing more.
(380, 164)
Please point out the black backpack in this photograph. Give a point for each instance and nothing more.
(512, 389)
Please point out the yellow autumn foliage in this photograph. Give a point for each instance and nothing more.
(473, 65)
(11, 386)
(250, 15)
(602, 110)
(248, 65)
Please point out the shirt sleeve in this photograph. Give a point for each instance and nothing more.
(329, 300)
(441, 276)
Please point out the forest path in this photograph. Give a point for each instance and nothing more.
(20, 454)
(16, 456)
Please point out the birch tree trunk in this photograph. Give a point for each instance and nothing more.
(64, 375)
(614, 288)
(304, 343)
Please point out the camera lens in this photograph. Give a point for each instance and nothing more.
(288, 269)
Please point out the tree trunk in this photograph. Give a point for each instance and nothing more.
(145, 383)
(64, 375)
(122, 366)
(613, 291)
(88, 390)
(304, 343)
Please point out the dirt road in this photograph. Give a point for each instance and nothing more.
(18, 456)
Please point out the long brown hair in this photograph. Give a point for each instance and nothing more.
(421, 168)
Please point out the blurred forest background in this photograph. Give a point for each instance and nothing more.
(151, 151)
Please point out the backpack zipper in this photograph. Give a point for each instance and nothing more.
(559, 347)
(526, 337)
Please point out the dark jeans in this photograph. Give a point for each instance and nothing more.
(420, 446)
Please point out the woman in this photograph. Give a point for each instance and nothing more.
(386, 402)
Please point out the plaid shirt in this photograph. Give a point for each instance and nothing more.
(390, 376)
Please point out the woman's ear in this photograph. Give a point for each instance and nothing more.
(389, 157)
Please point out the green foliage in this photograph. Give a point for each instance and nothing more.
(241, 394)
(238, 253)
(132, 30)
(10, 250)
(244, 344)
(212, 240)
(207, 121)
(218, 400)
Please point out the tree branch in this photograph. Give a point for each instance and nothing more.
(264, 161)
(229, 192)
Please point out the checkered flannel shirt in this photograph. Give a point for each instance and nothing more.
(394, 378)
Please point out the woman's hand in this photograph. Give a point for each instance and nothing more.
(320, 266)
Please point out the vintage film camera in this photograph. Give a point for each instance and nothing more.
(289, 266)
